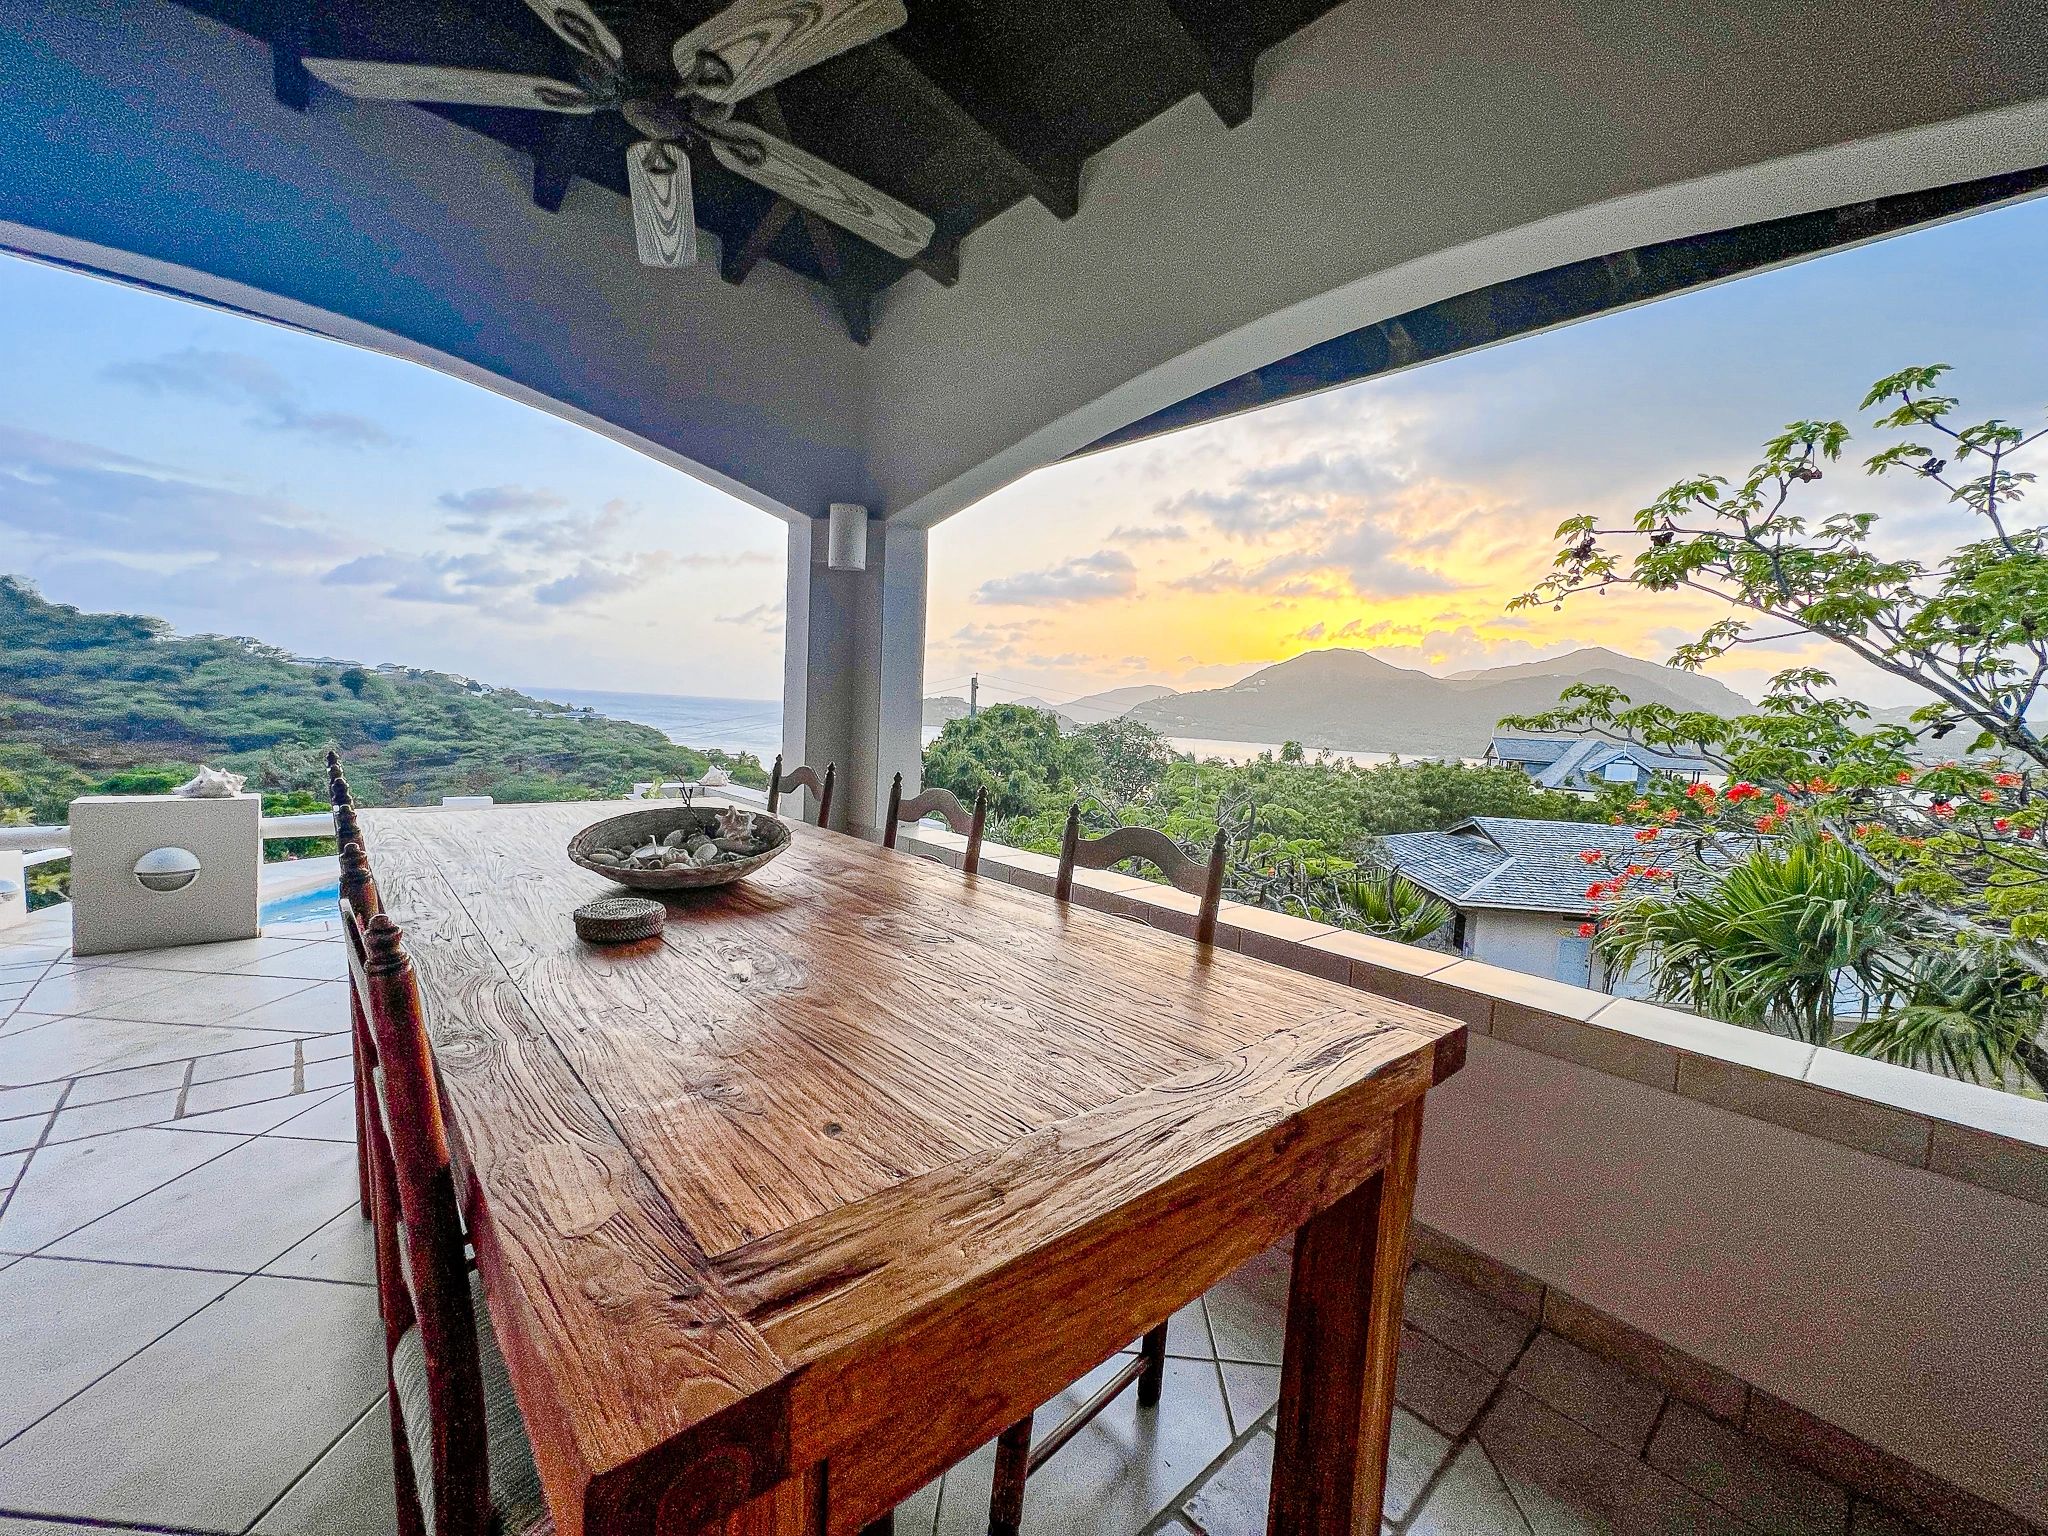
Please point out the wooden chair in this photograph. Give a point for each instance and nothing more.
(802, 778)
(464, 1465)
(1155, 848)
(945, 803)
(1016, 1457)
(358, 892)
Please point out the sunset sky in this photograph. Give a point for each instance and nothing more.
(236, 477)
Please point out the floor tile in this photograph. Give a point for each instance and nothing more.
(249, 1088)
(12, 1527)
(245, 1062)
(1414, 1453)
(66, 1187)
(11, 1164)
(1250, 1391)
(1233, 1502)
(347, 1492)
(199, 999)
(22, 1132)
(210, 1424)
(1439, 1385)
(333, 1119)
(75, 1047)
(63, 1324)
(14, 991)
(1567, 1479)
(265, 1115)
(311, 962)
(1470, 1499)
(125, 1083)
(1595, 1393)
(1248, 1310)
(917, 1515)
(1115, 1474)
(115, 1115)
(94, 992)
(321, 1009)
(30, 1100)
(1744, 1477)
(1453, 1313)
(213, 959)
(341, 1250)
(239, 1211)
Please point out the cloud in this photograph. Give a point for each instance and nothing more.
(1171, 533)
(431, 578)
(82, 495)
(1080, 579)
(769, 618)
(237, 378)
(596, 579)
(488, 501)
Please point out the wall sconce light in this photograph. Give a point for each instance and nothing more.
(846, 540)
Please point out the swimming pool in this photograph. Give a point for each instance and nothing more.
(302, 906)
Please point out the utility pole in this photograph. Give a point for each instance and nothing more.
(974, 695)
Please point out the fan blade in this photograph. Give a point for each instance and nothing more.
(664, 223)
(762, 41)
(576, 24)
(450, 87)
(824, 189)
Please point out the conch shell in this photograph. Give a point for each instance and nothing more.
(211, 784)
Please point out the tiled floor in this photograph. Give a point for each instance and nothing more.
(189, 1334)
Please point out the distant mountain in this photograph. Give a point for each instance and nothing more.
(1112, 702)
(1090, 709)
(1353, 701)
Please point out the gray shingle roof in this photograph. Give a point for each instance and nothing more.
(1571, 762)
(1504, 861)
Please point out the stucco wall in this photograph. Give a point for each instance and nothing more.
(1893, 1301)
(1521, 941)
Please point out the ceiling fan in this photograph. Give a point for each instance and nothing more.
(747, 47)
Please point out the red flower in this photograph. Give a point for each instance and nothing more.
(2002, 823)
(1618, 820)
(1942, 809)
(1585, 930)
(1654, 873)
(2026, 832)
(1591, 855)
(1647, 834)
(1700, 791)
(1595, 891)
(2006, 780)
(1743, 792)
(1988, 796)
(1903, 776)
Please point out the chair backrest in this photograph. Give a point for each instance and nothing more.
(802, 778)
(1156, 848)
(358, 885)
(942, 802)
(422, 1269)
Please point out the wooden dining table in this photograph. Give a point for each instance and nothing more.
(783, 1212)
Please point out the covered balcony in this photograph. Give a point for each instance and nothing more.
(1667, 1274)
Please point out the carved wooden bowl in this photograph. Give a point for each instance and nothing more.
(637, 827)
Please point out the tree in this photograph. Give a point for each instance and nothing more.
(1960, 843)
(1016, 752)
(1384, 902)
(1125, 758)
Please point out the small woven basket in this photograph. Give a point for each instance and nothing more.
(619, 919)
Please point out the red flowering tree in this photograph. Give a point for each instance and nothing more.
(1955, 849)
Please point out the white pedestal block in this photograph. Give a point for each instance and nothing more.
(13, 889)
(200, 860)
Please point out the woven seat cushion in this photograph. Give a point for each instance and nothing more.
(516, 1503)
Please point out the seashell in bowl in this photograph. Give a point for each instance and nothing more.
(642, 848)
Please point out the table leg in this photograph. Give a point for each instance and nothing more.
(1337, 1372)
(792, 1508)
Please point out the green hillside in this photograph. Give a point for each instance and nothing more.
(110, 702)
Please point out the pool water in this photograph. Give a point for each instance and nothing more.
(302, 906)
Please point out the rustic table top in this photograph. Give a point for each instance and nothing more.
(737, 1190)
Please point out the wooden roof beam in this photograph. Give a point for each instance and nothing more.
(1051, 177)
(737, 257)
(856, 306)
(1220, 68)
(560, 153)
(289, 44)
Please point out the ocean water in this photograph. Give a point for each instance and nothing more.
(736, 725)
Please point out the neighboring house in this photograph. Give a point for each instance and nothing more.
(1519, 891)
(1583, 764)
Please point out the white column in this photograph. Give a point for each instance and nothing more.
(853, 667)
